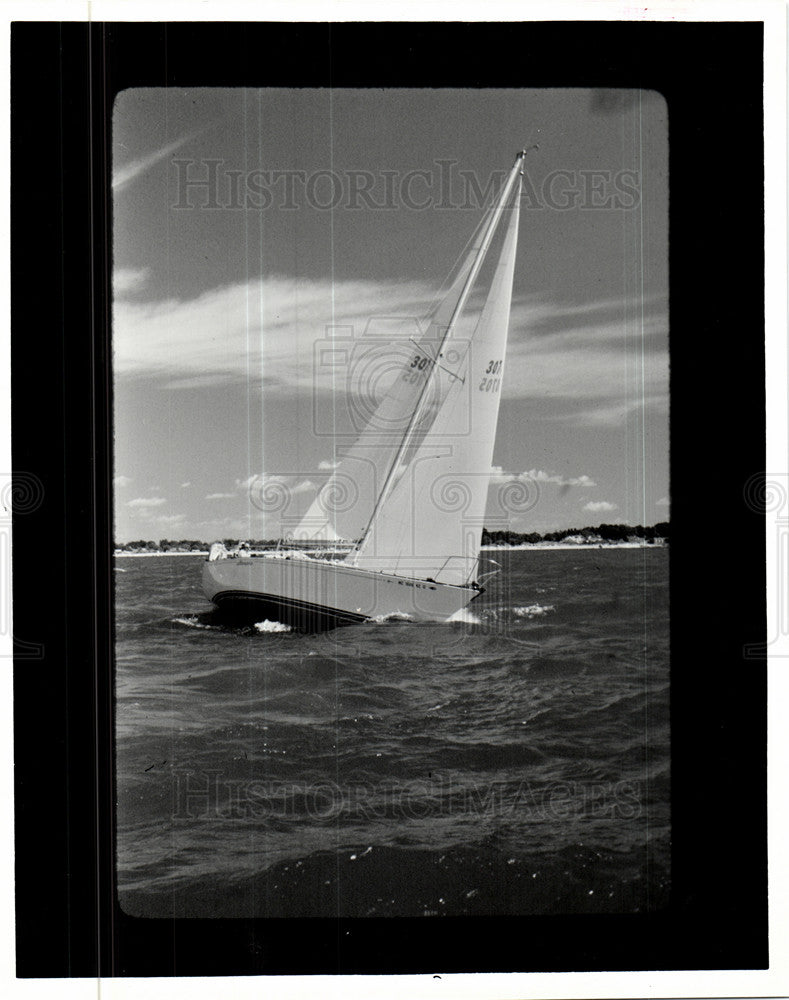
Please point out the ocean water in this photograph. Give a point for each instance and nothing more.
(513, 762)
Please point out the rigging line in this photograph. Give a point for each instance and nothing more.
(451, 273)
(495, 216)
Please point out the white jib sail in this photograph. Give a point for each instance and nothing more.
(343, 506)
(430, 524)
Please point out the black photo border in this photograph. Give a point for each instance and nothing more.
(64, 80)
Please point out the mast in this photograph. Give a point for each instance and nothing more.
(515, 173)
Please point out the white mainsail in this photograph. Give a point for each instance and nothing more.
(430, 524)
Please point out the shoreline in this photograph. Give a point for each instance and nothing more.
(523, 547)
(575, 546)
(147, 555)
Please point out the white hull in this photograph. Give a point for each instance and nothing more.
(311, 594)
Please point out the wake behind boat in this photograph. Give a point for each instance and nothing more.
(419, 472)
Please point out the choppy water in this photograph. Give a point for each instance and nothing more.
(513, 763)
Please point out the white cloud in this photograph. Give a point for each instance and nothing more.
(268, 479)
(600, 506)
(591, 363)
(128, 279)
(121, 481)
(663, 502)
(123, 176)
(303, 487)
(600, 370)
(221, 496)
(277, 327)
(539, 476)
(498, 475)
(144, 503)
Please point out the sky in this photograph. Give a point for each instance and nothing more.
(262, 238)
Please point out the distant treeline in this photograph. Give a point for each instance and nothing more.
(163, 545)
(602, 533)
(191, 545)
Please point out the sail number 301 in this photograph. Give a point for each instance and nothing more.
(418, 365)
(491, 382)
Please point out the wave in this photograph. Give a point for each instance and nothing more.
(393, 616)
(465, 616)
(533, 610)
(192, 621)
(268, 626)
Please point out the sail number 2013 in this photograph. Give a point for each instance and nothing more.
(491, 382)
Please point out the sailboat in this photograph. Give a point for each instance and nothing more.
(419, 473)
